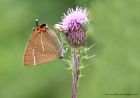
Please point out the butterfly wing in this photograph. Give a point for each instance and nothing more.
(45, 48)
(29, 52)
(48, 47)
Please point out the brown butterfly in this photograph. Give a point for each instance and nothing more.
(43, 47)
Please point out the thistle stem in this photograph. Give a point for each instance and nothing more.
(76, 58)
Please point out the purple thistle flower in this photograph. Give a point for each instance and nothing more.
(72, 26)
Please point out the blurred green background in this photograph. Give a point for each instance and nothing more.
(115, 28)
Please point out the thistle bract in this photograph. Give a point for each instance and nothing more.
(72, 26)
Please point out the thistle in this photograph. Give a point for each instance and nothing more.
(72, 26)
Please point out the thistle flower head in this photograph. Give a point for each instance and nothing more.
(74, 17)
(72, 26)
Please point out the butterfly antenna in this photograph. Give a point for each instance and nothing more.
(36, 22)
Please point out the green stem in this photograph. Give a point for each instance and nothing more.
(76, 58)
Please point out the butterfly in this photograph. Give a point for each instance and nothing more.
(43, 46)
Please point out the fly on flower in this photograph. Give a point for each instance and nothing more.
(43, 47)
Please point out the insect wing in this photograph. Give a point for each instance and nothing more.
(42, 48)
